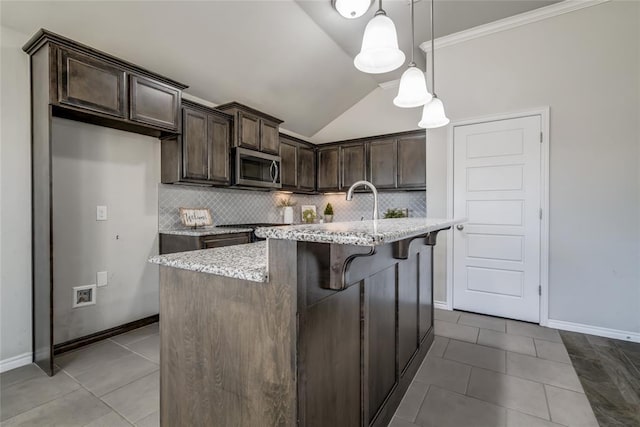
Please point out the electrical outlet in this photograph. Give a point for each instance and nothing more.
(101, 213)
(102, 278)
(84, 295)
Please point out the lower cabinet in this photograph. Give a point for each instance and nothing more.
(171, 243)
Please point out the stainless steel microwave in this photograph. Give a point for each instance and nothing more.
(256, 169)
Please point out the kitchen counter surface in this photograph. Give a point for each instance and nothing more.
(361, 233)
(246, 262)
(205, 231)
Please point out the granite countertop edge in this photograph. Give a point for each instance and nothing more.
(206, 231)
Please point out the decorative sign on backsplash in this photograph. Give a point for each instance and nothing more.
(195, 217)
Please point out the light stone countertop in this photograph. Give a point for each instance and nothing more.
(246, 262)
(361, 233)
(205, 231)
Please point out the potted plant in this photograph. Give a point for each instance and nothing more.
(328, 213)
(287, 209)
(309, 216)
(395, 213)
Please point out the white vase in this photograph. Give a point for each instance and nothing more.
(288, 215)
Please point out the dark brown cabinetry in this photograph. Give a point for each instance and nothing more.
(383, 163)
(154, 103)
(329, 168)
(254, 130)
(171, 243)
(298, 168)
(412, 153)
(201, 154)
(353, 164)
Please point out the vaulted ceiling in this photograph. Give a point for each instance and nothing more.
(292, 59)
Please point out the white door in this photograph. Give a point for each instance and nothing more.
(496, 184)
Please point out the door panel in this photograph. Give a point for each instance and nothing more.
(306, 168)
(154, 103)
(328, 169)
(497, 188)
(195, 147)
(383, 163)
(270, 137)
(412, 165)
(218, 130)
(352, 164)
(289, 164)
(248, 131)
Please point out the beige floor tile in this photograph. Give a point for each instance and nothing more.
(446, 315)
(152, 420)
(444, 408)
(534, 331)
(137, 334)
(552, 351)
(138, 399)
(438, 347)
(115, 374)
(90, 357)
(570, 408)
(112, 419)
(149, 347)
(543, 371)
(34, 392)
(511, 392)
(456, 331)
(77, 408)
(444, 373)
(476, 355)
(412, 400)
(518, 419)
(515, 343)
(21, 374)
(485, 322)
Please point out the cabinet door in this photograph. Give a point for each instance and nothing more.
(289, 164)
(248, 131)
(412, 169)
(383, 163)
(328, 169)
(218, 133)
(269, 137)
(195, 146)
(154, 103)
(352, 164)
(91, 84)
(306, 169)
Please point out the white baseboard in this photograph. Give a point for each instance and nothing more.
(16, 362)
(594, 330)
(442, 305)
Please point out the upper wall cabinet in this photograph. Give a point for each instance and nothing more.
(329, 168)
(254, 130)
(412, 165)
(383, 163)
(298, 165)
(88, 85)
(353, 164)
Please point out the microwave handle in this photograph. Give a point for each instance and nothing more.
(274, 170)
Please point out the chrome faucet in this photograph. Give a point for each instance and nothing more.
(375, 195)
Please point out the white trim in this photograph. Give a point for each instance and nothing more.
(511, 22)
(594, 330)
(16, 362)
(543, 112)
(442, 305)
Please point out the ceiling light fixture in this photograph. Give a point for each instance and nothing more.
(413, 86)
(379, 52)
(352, 9)
(433, 115)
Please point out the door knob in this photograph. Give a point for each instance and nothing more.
(460, 227)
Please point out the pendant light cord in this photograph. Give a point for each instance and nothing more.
(413, 37)
(433, 61)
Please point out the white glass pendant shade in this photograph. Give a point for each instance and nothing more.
(379, 52)
(352, 9)
(433, 115)
(413, 89)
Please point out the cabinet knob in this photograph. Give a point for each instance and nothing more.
(460, 227)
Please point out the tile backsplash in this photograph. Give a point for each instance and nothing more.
(232, 206)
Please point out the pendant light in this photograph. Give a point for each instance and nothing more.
(379, 52)
(433, 115)
(352, 9)
(413, 86)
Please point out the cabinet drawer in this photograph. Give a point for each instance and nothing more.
(210, 242)
(154, 103)
(91, 84)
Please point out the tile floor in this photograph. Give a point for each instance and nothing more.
(481, 371)
(112, 383)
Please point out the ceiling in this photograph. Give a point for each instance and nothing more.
(292, 59)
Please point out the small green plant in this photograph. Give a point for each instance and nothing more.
(285, 202)
(328, 210)
(309, 216)
(394, 213)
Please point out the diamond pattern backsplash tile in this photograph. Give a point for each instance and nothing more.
(232, 206)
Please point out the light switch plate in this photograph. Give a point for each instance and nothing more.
(101, 213)
(102, 278)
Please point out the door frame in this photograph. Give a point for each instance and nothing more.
(543, 112)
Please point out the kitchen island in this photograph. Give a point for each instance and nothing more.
(322, 325)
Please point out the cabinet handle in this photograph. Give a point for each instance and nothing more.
(277, 171)
(273, 163)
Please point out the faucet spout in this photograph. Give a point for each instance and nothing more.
(373, 189)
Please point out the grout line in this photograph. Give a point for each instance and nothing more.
(546, 399)
(139, 354)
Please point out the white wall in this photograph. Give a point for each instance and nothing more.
(585, 65)
(15, 202)
(93, 166)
